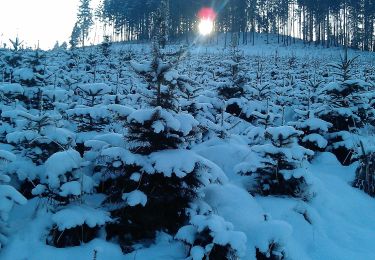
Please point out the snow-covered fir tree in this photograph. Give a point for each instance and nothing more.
(84, 20)
(365, 179)
(234, 87)
(152, 171)
(346, 107)
(64, 185)
(9, 196)
(279, 169)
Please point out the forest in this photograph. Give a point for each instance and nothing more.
(326, 23)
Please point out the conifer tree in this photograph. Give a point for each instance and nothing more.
(84, 19)
(161, 23)
(13, 61)
(235, 86)
(280, 168)
(346, 107)
(134, 176)
(36, 72)
(64, 184)
(75, 36)
(9, 196)
(201, 236)
(106, 46)
(365, 172)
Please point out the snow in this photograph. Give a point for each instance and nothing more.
(93, 112)
(295, 152)
(39, 189)
(74, 216)
(7, 156)
(25, 169)
(59, 164)
(11, 88)
(221, 231)
(24, 136)
(59, 94)
(9, 196)
(282, 131)
(314, 124)
(169, 121)
(163, 248)
(335, 223)
(187, 123)
(259, 233)
(70, 188)
(95, 88)
(136, 176)
(120, 110)
(197, 252)
(141, 68)
(183, 162)
(112, 139)
(187, 234)
(59, 135)
(316, 138)
(135, 198)
(329, 211)
(24, 74)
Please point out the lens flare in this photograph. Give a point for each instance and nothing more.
(207, 13)
(207, 17)
(205, 27)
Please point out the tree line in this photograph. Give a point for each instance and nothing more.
(327, 23)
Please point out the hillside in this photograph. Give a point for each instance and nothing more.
(126, 151)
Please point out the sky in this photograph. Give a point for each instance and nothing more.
(46, 21)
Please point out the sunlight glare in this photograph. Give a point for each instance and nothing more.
(206, 26)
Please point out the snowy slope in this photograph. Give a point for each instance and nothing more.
(335, 223)
(341, 220)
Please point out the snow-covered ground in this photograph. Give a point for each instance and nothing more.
(340, 217)
(89, 101)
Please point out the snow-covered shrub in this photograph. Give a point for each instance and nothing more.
(11, 93)
(208, 110)
(158, 129)
(258, 113)
(138, 185)
(63, 184)
(13, 61)
(92, 64)
(157, 73)
(56, 98)
(275, 252)
(279, 170)
(8, 195)
(38, 136)
(346, 108)
(365, 173)
(64, 179)
(35, 137)
(105, 46)
(235, 79)
(76, 224)
(92, 93)
(211, 237)
(314, 133)
(149, 173)
(35, 72)
(89, 119)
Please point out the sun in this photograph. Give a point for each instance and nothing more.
(206, 26)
